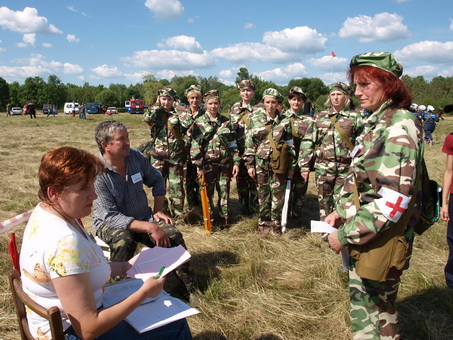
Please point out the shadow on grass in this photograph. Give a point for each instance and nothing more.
(428, 315)
(205, 266)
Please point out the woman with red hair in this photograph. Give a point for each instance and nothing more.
(377, 209)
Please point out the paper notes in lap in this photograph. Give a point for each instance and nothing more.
(326, 228)
(149, 261)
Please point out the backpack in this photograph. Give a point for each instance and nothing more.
(431, 193)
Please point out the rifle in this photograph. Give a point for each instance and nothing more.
(205, 207)
(285, 206)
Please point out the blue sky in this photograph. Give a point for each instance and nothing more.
(105, 41)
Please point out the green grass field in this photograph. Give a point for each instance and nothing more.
(286, 287)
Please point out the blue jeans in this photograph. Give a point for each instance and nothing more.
(177, 330)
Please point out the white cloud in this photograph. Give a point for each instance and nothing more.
(328, 63)
(75, 10)
(249, 52)
(169, 74)
(226, 74)
(47, 45)
(181, 42)
(21, 45)
(26, 21)
(430, 51)
(72, 38)
(170, 59)
(2, 49)
(106, 71)
(72, 68)
(427, 71)
(283, 75)
(451, 24)
(302, 39)
(401, 1)
(29, 39)
(381, 27)
(165, 9)
(330, 78)
(249, 25)
(447, 72)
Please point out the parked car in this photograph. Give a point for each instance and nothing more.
(16, 110)
(68, 108)
(111, 110)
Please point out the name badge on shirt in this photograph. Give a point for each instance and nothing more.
(136, 177)
(355, 150)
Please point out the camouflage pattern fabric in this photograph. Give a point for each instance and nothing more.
(214, 149)
(188, 118)
(300, 123)
(391, 149)
(246, 186)
(373, 313)
(271, 187)
(324, 147)
(166, 153)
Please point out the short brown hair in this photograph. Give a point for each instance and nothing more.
(64, 166)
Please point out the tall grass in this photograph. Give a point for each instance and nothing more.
(286, 287)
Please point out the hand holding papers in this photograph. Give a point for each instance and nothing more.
(326, 228)
(149, 262)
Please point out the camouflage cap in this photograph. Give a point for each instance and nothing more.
(192, 88)
(246, 84)
(270, 92)
(298, 90)
(340, 86)
(166, 92)
(210, 95)
(382, 60)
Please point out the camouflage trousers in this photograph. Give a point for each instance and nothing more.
(271, 195)
(298, 190)
(373, 313)
(218, 178)
(329, 187)
(173, 171)
(191, 185)
(247, 192)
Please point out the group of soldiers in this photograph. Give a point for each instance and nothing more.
(259, 145)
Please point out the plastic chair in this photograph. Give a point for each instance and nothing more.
(22, 300)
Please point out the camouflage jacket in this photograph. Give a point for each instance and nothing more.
(323, 145)
(300, 123)
(165, 143)
(391, 149)
(213, 142)
(257, 145)
(188, 121)
(240, 116)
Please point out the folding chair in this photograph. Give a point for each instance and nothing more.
(22, 300)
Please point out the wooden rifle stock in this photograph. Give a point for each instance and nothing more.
(205, 207)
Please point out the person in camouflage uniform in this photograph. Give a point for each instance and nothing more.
(267, 125)
(325, 147)
(240, 114)
(187, 118)
(167, 146)
(384, 170)
(215, 154)
(300, 122)
(122, 217)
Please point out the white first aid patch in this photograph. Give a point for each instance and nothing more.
(136, 177)
(392, 204)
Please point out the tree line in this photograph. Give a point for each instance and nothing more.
(438, 92)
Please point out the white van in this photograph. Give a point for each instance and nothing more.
(69, 107)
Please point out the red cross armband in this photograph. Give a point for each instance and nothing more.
(392, 204)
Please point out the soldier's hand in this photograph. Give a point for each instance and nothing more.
(334, 242)
(305, 175)
(159, 236)
(252, 172)
(201, 175)
(333, 219)
(235, 170)
(161, 216)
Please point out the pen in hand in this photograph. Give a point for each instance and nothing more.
(160, 272)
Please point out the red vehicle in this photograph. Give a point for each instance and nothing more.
(135, 106)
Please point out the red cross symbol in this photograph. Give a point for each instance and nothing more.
(395, 206)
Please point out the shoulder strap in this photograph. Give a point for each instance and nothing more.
(270, 138)
(174, 132)
(342, 133)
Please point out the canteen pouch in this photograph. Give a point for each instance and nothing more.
(374, 259)
(280, 158)
(430, 206)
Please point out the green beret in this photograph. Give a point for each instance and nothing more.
(270, 92)
(382, 60)
(166, 92)
(210, 95)
(195, 88)
(298, 90)
(342, 87)
(246, 84)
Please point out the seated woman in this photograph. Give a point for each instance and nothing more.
(62, 266)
